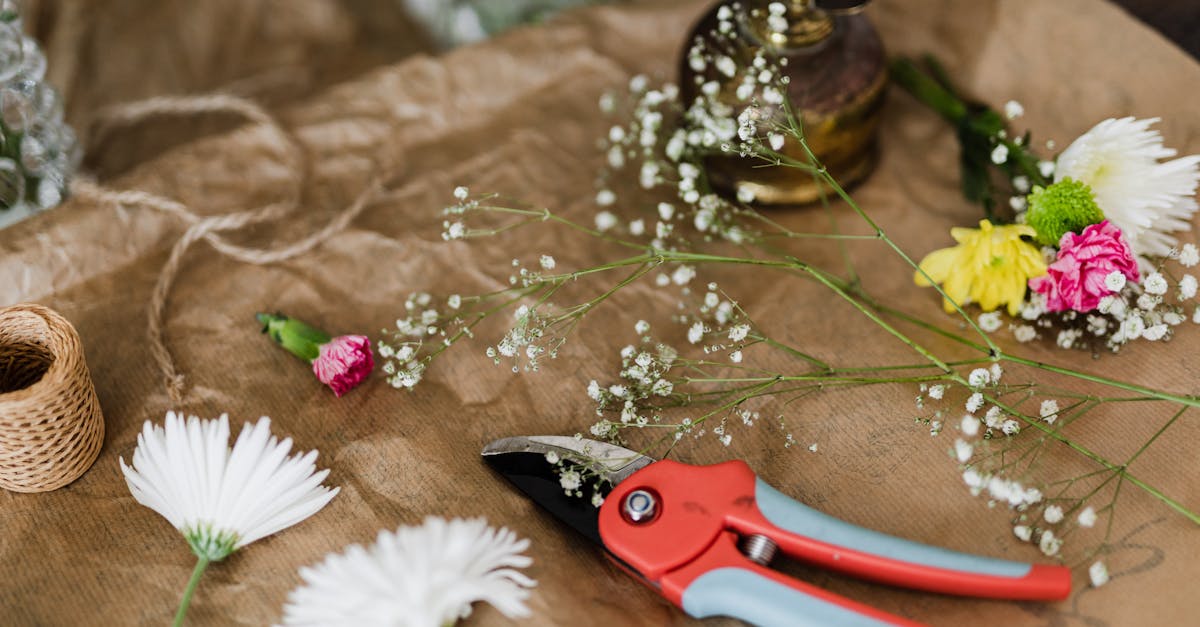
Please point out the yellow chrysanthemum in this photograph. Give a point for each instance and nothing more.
(991, 266)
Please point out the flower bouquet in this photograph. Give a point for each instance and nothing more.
(1087, 252)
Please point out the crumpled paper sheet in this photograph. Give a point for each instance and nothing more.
(517, 115)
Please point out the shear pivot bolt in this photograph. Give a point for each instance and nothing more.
(759, 548)
(640, 506)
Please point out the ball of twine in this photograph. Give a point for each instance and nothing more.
(51, 427)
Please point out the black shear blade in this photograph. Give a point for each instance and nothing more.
(522, 460)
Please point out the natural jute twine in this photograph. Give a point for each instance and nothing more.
(210, 228)
(51, 427)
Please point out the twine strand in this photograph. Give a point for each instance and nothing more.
(210, 228)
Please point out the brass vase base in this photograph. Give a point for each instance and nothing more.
(783, 186)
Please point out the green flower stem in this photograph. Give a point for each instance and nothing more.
(1190, 401)
(929, 91)
(1121, 469)
(294, 336)
(793, 352)
(201, 564)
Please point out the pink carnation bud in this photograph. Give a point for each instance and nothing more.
(1076, 279)
(340, 362)
(344, 362)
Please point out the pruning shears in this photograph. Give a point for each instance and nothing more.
(703, 537)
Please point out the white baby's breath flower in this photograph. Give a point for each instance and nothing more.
(745, 194)
(1187, 286)
(970, 425)
(978, 377)
(963, 450)
(1145, 198)
(1115, 280)
(605, 197)
(1053, 514)
(1049, 410)
(461, 193)
(683, 275)
(974, 402)
(415, 577)
(1189, 255)
(1087, 518)
(222, 499)
(605, 220)
(737, 333)
(547, 262)
(695, 333)
(1155, 283)
(1023, 532)
(1049, 544)
(1000, 154)
(990, 321)
(1155, 332)
(1013, 110)
(1098, 574)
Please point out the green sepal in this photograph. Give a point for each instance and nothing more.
(209, 544)
(296, 337)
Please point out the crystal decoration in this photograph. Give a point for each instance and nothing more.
(38, 151)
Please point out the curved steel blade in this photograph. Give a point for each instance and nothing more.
(613, 463)
(522, 460)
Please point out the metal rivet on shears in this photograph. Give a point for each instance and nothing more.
(759, 548)
(640, 506)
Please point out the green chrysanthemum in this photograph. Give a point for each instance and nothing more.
(1064, 207)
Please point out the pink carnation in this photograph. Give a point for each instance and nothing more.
(344, 362)
(1076, 280)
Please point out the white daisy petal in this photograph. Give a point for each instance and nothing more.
(1146, 198)
(427, 575)
(220, 498)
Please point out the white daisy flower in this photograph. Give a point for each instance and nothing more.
(222, 499)
(1145, 198)
(416, 577)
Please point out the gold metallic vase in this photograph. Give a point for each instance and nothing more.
(837, 74)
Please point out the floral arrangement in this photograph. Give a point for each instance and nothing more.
(1089, 253)
(707, 369)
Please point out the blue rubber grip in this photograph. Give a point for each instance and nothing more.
(788, 514)
(746, 595)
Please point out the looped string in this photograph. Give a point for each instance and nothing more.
(210, 228)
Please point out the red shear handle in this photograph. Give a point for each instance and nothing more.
(722, 582)
(699, 503)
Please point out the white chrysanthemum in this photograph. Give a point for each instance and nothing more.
(1145, 198)
(222, 499)
(423, 576)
